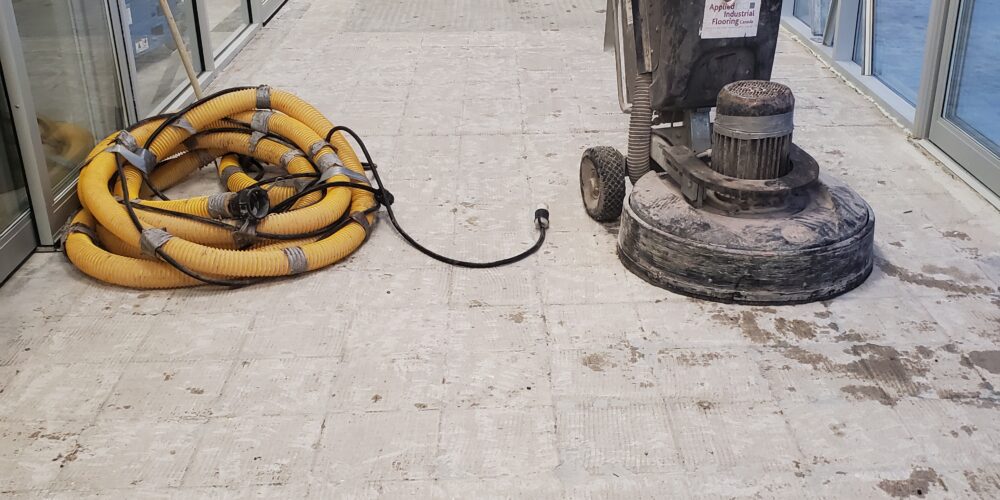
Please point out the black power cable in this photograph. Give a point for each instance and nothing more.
(385, 198)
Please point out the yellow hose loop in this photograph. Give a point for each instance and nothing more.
(107, 246)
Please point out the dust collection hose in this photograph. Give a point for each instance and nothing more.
(640, 128)
(297, 196)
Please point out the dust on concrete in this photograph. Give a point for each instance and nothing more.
(928, 281)
(951, 271)
(596, 361)
(869, 392)
(957, 235)
(517, 317)
(985, 483)
(785, 329)
(747, 322)
(882, 367)
(795, 327)
(919, 484)
(987, 360)
(634, 354)
(696, 358)
(69, 456)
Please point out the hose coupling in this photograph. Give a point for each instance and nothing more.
(542, 216)
(250, 204)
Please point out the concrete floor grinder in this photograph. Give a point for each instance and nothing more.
(724, 206)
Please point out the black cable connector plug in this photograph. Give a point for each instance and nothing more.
(542, 216)
(250, 204)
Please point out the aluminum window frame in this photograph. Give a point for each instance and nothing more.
(925, 121)
(51, 208)
(974, 156)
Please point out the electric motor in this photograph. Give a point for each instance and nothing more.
(752, 136)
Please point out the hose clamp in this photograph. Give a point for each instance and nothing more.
(184, 124)
(350, 174)
(291, 154)
(152, 239)
(755, 127)
(255, 139)
(204, 156)
(246, 235)
(297, 261)
(128, 149)
(362, 220)
(329, 160)
(83, 229)
(260, 119)
(218, 205)
(229, 172)
(263, 97)
(316, 147)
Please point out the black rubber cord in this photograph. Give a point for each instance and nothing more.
(386, 199)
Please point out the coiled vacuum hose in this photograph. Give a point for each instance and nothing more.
(640, 128)
(317, 210)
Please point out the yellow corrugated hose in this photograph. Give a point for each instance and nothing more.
(318, 210)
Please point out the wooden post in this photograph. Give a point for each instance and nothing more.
(182, 49)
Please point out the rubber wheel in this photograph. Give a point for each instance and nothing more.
(602, 183)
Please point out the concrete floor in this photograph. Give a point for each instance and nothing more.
(392, 376)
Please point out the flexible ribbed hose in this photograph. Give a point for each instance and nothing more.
(640, 128)
(321, 226)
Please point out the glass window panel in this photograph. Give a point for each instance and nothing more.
(74, 78)
(159, 70)
(900, 31)
(859, 35)
(13, 193)
(973, 97)
(803, 11)
(226, 18)
(814, 13)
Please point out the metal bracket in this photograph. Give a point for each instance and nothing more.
(699, 128)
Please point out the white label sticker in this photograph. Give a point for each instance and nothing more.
(730, 18)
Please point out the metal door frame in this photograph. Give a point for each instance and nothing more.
(974, 156)
(17, 240)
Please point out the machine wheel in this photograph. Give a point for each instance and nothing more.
(602, 183)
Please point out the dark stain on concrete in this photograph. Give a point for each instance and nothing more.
(596, 362)
(928, 281)
(984, 483)
(951, 271)
(889, 374)
(987, 360)
(869, 392)
(919, 483)
(517, 317)
(958, 235)
(747, 322)
(697, 359)
(795, 327)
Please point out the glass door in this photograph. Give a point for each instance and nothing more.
(268, 8)
(966, 126)
(157, 73)
(68, 95)
(226, 19)
(17, 233)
